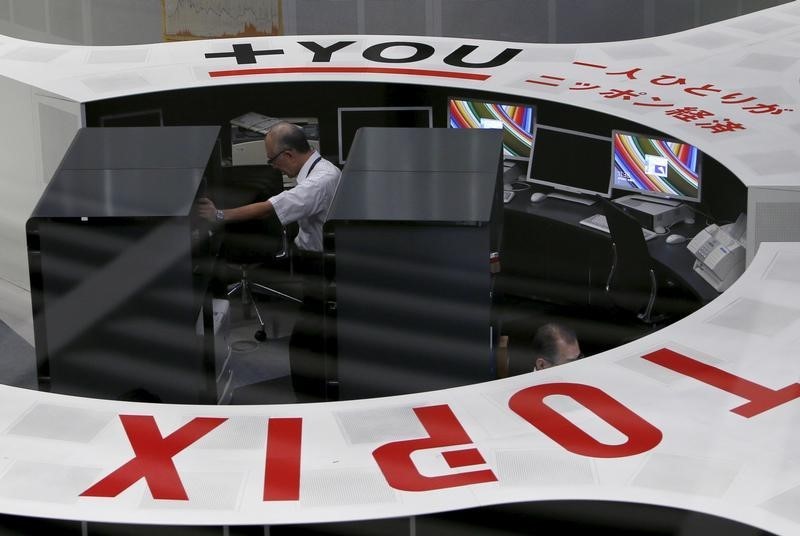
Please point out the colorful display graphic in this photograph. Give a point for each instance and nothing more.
(656, 166)
(517, 122)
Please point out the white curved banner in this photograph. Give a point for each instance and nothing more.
(701, 415)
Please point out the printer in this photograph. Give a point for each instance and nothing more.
(720, 253)
(248, 131)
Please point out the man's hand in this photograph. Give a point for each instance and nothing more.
(206, 209)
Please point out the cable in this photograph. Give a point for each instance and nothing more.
(519, 186)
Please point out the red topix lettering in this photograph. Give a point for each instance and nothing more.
(529, 404)
(444, 430)
(282, 466)
(759, 398)
(153, 460)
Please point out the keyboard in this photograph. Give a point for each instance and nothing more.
(508, 195)
(598, 221)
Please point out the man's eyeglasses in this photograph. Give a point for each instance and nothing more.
(272, 160)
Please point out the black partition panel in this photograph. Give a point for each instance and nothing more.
(413, 225)
(120, 267)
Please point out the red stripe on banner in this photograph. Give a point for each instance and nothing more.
(542, 83)
(282, 467)
(351, 70)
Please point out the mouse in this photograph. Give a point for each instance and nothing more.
(538, 196)
(676, 239)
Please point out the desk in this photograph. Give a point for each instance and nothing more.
(547, 253)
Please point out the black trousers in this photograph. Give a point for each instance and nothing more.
(307, 344)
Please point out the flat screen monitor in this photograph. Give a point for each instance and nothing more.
(143, 118)
(570, 161)
(655, 166)
(351, 119)
(516, 120)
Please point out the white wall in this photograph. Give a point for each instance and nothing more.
(34, 135)
(773, 215)
(123, 22)
(19, 182)
(86, 22)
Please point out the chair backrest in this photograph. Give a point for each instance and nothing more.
(253, 241)
(631, 281)
(246, 184)
(258, 240)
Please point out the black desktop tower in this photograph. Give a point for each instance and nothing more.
(409, 238)
(120, 267)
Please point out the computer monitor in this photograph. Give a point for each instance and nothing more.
(351, 119)
(570, 161)
(655, 166)
(516, 120)
(141, 118)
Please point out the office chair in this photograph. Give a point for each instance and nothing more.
(631, 285)
(252, 246)
(253, 252)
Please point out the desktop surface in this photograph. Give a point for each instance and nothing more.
(675, 258)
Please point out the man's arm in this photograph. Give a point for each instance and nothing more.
(207, 210)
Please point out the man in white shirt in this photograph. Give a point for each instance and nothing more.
(307, 204)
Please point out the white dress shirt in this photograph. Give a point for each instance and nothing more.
(309, 201)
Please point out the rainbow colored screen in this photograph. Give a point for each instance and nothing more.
(656, 166)
(516, 120)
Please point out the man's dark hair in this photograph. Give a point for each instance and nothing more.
(289, 136)
(545, 340)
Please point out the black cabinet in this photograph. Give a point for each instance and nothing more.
(120, 267)
(411, 230)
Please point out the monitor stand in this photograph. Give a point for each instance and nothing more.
(588, 201)
(656, 200)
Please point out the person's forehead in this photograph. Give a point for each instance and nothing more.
(566, 344)
(568, 349)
